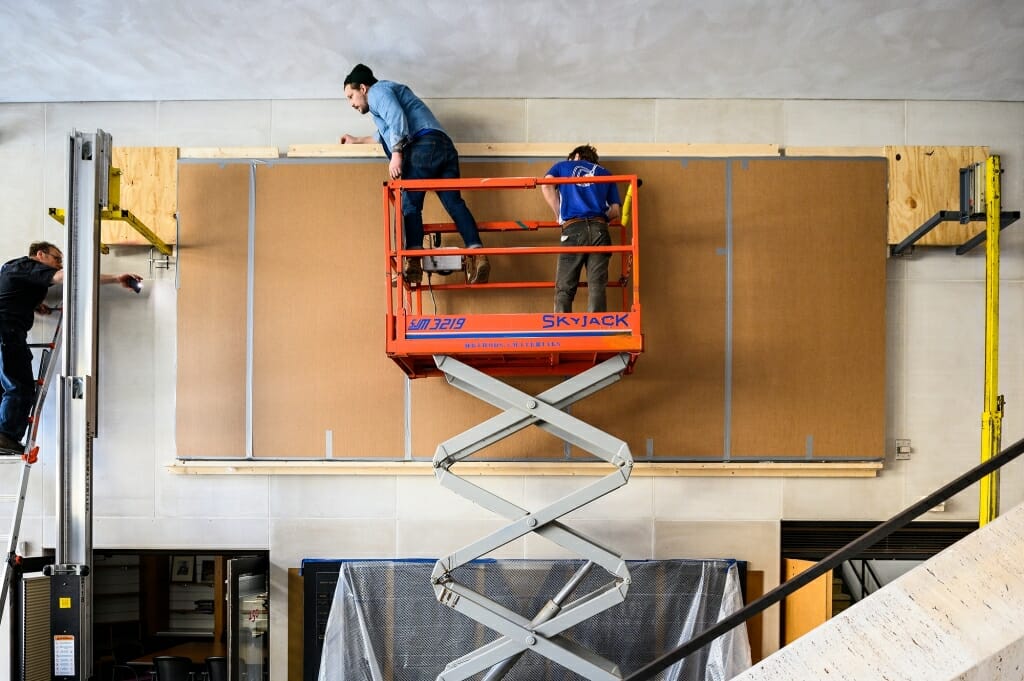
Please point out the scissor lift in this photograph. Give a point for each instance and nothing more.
(471, 350)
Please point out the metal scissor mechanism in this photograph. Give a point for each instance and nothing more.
(518, 633)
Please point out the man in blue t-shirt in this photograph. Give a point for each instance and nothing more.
(583, 210)
(418, 149)
(23, 285)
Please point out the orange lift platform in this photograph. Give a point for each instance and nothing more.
(502, 344)
(590, 350)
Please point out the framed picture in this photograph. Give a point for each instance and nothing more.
(204, 569)
(183, 568)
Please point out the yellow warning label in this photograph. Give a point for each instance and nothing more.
(64, 603)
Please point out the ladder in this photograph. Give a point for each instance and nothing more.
(29, 457)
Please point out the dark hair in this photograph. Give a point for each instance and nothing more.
(44, 246)
(360, 75)
(586, 152)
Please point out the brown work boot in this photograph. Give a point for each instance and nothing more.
(478, 269)
(413, 273)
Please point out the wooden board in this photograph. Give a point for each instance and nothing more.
(808, 607)
(149, 189)
(755, 625)
(296, 617)
(212, 261)
(923, 181)
(808, 348)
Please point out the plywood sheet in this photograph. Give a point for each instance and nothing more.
(149, 190)
(809, 309)
(319, 370)
(212, 272)
(923, 181)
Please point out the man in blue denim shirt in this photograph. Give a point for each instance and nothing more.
(418, 149)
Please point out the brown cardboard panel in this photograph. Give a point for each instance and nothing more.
(809, 309)
(319, 368)
(213, 205)
(672, 405)
(923, 181)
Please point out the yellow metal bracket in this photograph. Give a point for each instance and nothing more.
(115, 212)
(58, 215)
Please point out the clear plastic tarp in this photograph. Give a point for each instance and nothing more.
(385, 623)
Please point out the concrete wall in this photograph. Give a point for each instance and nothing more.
(935, 348)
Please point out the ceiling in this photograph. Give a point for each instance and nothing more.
(99, 50)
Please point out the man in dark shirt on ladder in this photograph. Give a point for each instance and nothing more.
(23, 285)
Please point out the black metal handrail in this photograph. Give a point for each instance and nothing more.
(828, 563)
(865, 571)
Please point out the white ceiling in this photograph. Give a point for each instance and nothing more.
(100, 50)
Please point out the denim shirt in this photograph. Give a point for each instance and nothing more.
(398, 114)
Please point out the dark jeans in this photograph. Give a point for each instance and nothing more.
(428, 157)
(17, 383)
(589, 232)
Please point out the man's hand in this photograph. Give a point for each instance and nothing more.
(395, 167)
(352, 139)
(129, 281)
(43, 308)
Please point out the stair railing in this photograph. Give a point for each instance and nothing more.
(828, 563)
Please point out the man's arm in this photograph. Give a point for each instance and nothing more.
(613, 212)
(552, 196)
(124, 280)
(352, 139)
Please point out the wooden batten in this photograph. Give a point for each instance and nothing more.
(829, 152)
(796, 469)
(229, 152)
(550, 150)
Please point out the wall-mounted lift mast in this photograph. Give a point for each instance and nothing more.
(70, 582)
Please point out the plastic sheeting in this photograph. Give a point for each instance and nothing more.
(386, 625)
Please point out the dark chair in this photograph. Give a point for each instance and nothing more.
(123, 653)
(173, 668)
(217, 668)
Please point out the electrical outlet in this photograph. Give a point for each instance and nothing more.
(903, 449)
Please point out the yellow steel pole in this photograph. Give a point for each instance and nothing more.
(992, 418)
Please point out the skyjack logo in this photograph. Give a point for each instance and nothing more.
(585, 321)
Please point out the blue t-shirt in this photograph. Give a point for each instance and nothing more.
(398, 114)
(587, 199)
